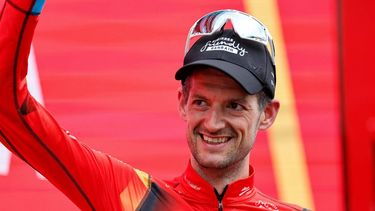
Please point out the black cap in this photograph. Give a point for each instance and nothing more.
(246, 61)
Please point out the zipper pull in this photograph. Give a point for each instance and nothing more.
(220, 205)
(220, 198)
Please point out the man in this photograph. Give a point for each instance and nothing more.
(228, 84)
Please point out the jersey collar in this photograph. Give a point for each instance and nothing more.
(195, 184)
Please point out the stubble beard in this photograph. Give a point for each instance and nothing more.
(229, 159)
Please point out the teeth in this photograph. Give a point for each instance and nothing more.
(211, 140)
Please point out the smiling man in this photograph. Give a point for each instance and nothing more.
(223, 121)
(228, 85)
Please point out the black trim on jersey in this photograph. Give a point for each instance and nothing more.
(220, 197)
(156, 199)
(152, 198)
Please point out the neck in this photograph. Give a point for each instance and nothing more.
(221, 177)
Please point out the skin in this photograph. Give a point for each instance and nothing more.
(222, 123)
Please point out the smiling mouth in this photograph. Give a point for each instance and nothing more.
(214, 140)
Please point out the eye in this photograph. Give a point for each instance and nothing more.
(199, 102)
(236, 106)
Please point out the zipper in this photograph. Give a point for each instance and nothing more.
(220, 198)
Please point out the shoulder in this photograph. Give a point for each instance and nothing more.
(266, 201)
(174, 182)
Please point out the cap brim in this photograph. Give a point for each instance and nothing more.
(245, 78)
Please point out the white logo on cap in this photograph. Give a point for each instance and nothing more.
(224, 44)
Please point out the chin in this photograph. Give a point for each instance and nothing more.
(221, 163)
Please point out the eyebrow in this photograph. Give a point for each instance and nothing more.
(198, 96)
(233, 99)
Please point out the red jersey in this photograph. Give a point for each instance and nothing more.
(91, 179)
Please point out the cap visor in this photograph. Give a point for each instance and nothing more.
(245, 78)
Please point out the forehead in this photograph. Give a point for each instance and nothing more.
(207, 77)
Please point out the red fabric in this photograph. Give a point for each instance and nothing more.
(240, 195)
(91, 179)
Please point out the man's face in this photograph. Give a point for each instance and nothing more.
(222, 119)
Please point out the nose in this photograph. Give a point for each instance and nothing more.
(214, 120)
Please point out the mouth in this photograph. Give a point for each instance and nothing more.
(214, 140)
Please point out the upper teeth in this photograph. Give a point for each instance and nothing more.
(214, 140)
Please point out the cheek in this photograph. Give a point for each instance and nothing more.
(247, 127)
(192, 120)
(192, 116)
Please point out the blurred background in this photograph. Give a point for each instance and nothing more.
(105, 70)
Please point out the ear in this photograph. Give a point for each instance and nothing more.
(269, 114)
(182, 104)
